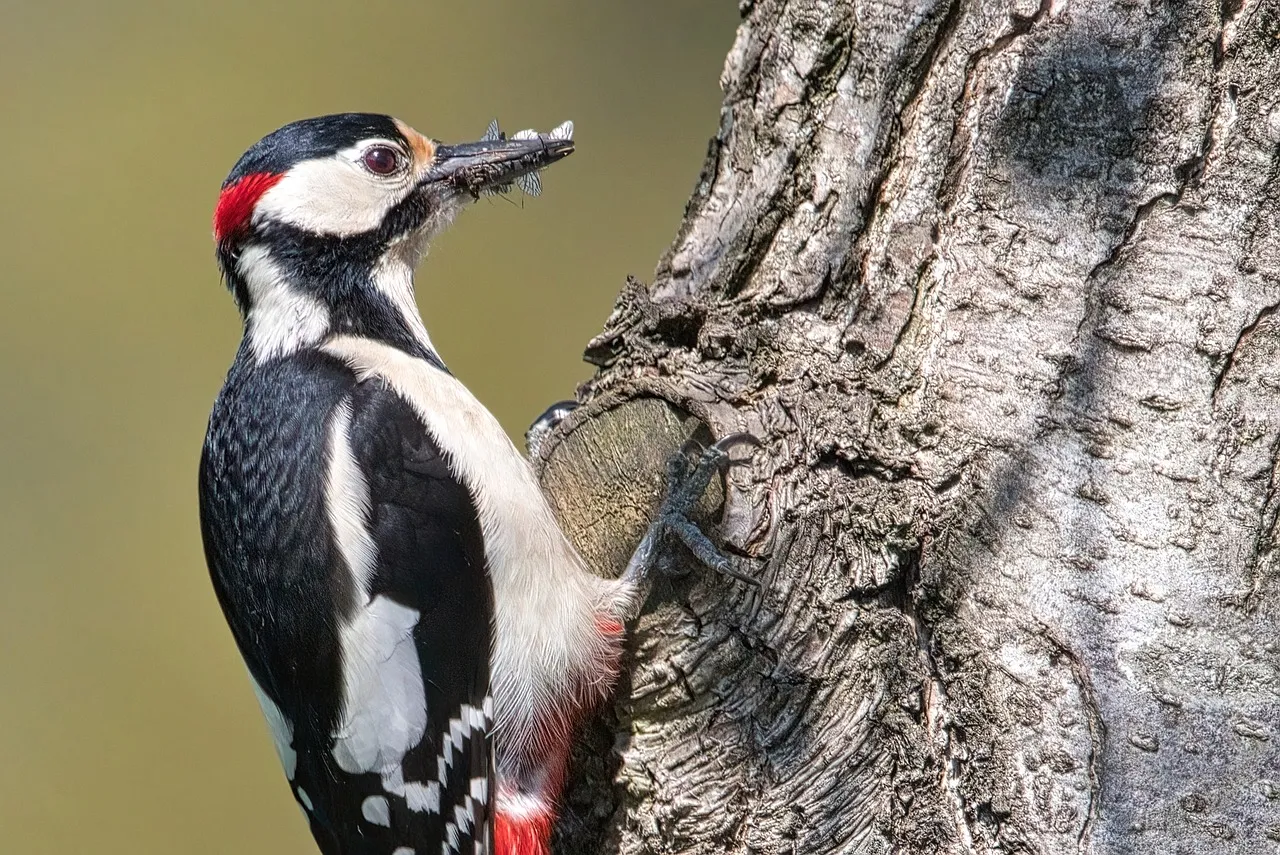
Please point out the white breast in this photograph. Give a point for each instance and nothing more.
(546, 602)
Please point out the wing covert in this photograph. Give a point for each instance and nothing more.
(430, 559)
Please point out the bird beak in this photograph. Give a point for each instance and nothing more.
(494, 163)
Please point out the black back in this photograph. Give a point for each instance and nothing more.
(286, 591)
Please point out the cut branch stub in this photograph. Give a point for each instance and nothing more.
(606, 476)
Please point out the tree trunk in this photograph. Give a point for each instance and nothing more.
(998, 286)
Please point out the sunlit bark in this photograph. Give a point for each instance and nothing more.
(998, 285)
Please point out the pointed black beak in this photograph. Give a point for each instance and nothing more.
(478, 166)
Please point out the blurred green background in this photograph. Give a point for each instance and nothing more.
(126, 722)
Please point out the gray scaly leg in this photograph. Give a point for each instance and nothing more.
(686, 482)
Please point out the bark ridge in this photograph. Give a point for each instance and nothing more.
(998, 283)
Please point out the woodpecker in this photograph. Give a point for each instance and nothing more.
(421, 635)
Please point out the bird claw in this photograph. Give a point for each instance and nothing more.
(687, 481)
(723, 445)
(743, 438)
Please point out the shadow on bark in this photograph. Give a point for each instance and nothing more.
(955, 351)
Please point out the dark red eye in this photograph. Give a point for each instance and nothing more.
(382, 160)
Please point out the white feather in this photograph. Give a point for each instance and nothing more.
(384, 711)
(281, 319)
(423, 797)
(377, 810)
(347, 503)
(545, 600)
(281, 730)
(456, 738)
(334, 195)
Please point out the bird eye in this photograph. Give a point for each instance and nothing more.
(381, 160)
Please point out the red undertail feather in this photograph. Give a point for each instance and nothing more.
(524, 828)
(524, 835)
(236, 203)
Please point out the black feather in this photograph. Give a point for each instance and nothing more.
(285, 589)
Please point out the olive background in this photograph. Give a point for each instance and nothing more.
(127, 724)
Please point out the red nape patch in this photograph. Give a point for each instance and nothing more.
(525, 835)
(235, 205)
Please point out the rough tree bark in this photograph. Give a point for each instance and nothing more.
(998, 285)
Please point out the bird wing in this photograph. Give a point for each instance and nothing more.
(350, 563)
(431, 559)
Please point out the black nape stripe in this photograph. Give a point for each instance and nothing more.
(338, 271)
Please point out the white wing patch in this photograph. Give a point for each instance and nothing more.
(384, 712)
(451, 843)
(377, 810)
(469, 721)
(385, 709)
(422, 798)
(281, 730)
(464, 822)
(347, 502)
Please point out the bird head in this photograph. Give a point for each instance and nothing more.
(325, 219)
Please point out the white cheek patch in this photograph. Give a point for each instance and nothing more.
(332, 196)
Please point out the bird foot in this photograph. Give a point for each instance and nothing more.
(687, 480)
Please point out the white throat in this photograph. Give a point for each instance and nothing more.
(393, 277)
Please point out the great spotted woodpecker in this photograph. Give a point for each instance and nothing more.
(420, 634)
